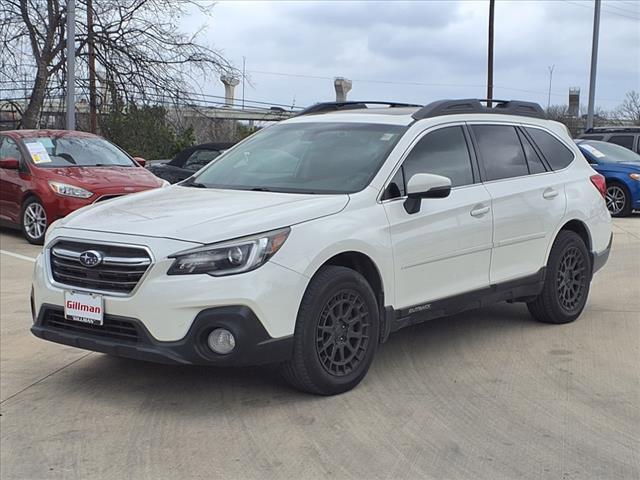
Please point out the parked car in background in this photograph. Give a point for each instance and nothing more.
(188, 161)
(627, 137)
(311, 241)
(47, 174)
(621, 169)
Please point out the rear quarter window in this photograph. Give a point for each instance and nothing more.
(556, 153)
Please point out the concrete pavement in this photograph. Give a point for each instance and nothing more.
(489, 394)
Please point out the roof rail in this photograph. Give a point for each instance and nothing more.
(475, 105)
(325, 107)
(613, 129)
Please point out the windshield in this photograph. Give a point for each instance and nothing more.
(69, 151)
(609, 152)
(304, 158)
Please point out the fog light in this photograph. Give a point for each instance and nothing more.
(221, 341)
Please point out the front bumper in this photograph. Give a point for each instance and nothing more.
(167, 305)
(128, 337)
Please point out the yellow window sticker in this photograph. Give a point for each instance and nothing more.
(38, 153)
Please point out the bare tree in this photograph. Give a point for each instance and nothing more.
(138, 47)
(630, 108)
(558, 113)
(44, 28)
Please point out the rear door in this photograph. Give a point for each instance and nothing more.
(444, 249)
(527, 200)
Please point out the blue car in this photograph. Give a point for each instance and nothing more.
(621, 169)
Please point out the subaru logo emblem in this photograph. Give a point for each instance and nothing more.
(91, 258)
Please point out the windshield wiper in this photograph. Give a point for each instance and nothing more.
(260, 189)
(194, 184)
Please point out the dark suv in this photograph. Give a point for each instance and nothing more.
(628, 137)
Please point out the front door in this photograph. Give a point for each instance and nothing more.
(444, 249)
(12, 182)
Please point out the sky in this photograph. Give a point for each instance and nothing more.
(421, 51)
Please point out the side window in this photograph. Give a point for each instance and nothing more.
(9, 149)
(396, 188)
(592, 137)
(501, 151)
(557, 155)
(442, 152)
(622, 140)
(533, 159)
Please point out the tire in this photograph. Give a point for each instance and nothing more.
(33, 220)
(567, 281)
(334, 346)
(618, 200)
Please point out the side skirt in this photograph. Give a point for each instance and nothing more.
(511, 291)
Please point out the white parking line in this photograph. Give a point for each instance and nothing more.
(17, 255)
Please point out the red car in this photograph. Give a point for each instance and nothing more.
(47, 174)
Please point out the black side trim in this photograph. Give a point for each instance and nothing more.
(598, 260)
(514, 290)
(254, 346)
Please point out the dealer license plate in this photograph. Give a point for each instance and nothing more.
(84, 307)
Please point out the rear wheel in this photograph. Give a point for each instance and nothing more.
(336, 334)
(567, 281)
(34, 221)
(618, 200)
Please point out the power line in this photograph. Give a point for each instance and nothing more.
(570, 2)
(419, 84)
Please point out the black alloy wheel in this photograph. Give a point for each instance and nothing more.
(342, 335)
(337, 333)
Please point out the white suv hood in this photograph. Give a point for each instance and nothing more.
(202, 215)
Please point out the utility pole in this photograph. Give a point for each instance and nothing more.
(71, 65)
(92, 69)
(594, 62)
(492, 6)
(550, 78)
(244, 61)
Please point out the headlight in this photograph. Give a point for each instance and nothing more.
(69, 190)
(635, 176)
(50, 230)
(228, 258)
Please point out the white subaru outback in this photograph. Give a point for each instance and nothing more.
(310, 242)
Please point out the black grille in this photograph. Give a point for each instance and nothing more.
(121, 330)
(120, 270)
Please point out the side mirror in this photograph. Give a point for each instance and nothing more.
(9, 163)
(425, 185)
(140, 161)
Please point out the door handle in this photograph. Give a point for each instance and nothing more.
(479, 211)
(550, 193)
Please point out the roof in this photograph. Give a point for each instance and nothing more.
(614, 129)
(406, 114)
(22, 134)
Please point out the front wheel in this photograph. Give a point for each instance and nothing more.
(336, 335)
(34, 221)
(567, 281)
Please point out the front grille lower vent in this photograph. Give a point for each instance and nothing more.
(121, 330)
